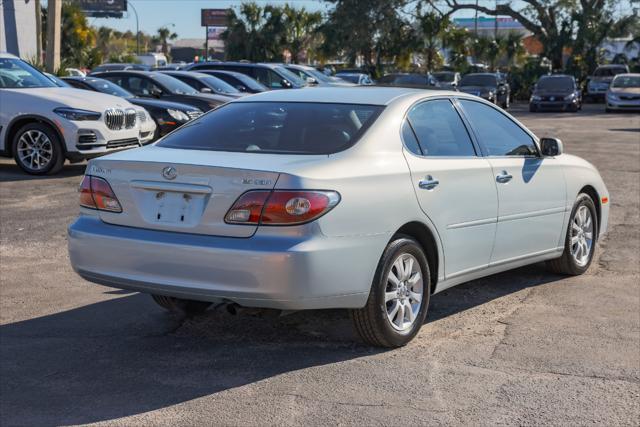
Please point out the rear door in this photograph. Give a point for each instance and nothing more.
(531, 189)
(453, 184)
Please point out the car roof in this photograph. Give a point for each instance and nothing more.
(553, 76)
(239, 64)
(8, 55)
(612, 66)
(183, 73)
(367, 95)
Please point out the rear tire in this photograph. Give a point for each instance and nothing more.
(181, 306)
(399, 298)
(583, 231)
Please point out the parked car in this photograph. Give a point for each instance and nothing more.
(556, 92)
(205, 83)
(314, 77)
(160, 86)
(75, 72)
(42, 124)
(240, 81)
(273, 76)
(489, 86)
(152, 59)
(119, 67)
(269, 202)
(448, 80)
(599, 82)
(173, 66)
(167, 115)
(409, 80)
(360, 79)
(56, 80)
(624, 93)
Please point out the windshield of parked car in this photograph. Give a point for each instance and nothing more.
(479, 80)
(105, 86)
(623, 81)
(609, 71)
(218, 85)
(174, 85)
(17, 74)
(555, 83)
(295, 80)
(353, 78)
(276, 127)
(444, 77)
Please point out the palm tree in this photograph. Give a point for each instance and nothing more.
(300, 29)
(163, 36)
(513, 49)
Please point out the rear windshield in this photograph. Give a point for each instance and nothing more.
(479, 80)
(276, 127)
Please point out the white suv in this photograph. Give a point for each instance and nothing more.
(42, 124)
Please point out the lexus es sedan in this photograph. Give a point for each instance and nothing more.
(366, 200)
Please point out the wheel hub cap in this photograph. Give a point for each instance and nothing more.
(581, 236)
(35, 150)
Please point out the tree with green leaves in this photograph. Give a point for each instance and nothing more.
(433, 27)
(162, 37)
(300, 30)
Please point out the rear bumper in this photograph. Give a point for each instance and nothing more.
(283, 272)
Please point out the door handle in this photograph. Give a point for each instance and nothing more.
(504, 177)
(428, 183)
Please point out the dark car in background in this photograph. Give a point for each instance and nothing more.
(273, 76)
(556, 92)
(448, 80)
(167, 115)
(413, 80)
(599, 82)
(240, 81)
(205, 83)
(491, 86)
(161, 86)
(314, 77)
(120, 66)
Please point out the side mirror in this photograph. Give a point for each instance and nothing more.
(156, 93)
(206, 90)
(551, 147)
(311, 81)
(454, 84)
(285, 83)
(241, 88)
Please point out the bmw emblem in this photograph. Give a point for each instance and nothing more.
(169, 172)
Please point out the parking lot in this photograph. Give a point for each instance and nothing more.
(522, 347)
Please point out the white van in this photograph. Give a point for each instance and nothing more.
(153, 59)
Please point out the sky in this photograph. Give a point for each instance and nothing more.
(183, 16)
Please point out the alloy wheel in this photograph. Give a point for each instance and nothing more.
(404, 291)
(35, 150)
(581, 236)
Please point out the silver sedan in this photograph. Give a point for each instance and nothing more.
(368, 199)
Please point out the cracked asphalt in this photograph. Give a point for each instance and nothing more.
(524, 347)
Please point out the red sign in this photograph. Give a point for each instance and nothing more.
(213, 17)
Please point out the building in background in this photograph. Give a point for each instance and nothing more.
(18, 34)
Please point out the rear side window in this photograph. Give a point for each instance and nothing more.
(276, 127)
(440, 130)
(499, 134)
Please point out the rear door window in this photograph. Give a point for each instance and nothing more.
(276, 127)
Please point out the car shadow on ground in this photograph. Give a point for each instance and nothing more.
(125, 356)
(11, 172)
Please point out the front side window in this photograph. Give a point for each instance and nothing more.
(496, 132)
(440, 130)
(276, 128)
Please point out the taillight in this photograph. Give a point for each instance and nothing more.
(281, 207)
(96, 193)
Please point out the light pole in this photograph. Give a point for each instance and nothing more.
(137, 27)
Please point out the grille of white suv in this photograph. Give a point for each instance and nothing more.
(117, 119)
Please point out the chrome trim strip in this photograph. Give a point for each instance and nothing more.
(472, 223)
(532, 214)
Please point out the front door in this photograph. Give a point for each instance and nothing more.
(531, 189)
(454, 185)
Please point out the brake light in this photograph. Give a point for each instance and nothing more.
(96, 193)
(281, 207)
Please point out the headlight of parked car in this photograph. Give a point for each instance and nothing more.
(77, 114)
(612, 97)
(535, 98)
(178, 115)
(569, 97)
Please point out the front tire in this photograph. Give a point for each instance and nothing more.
(399, 298)
(505, 103)
(181, 306)
(580, 240)
(37, 149)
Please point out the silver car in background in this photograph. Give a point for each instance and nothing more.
(368, 199)
(624, 93)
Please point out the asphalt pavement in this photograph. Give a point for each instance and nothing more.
(523, 347)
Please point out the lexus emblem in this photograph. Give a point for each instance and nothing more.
(170, 172)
